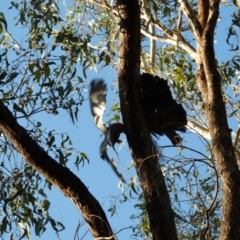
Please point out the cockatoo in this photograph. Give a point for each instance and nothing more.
(162, 113)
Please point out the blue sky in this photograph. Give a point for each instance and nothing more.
(97, 175)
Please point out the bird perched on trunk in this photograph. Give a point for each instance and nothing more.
(162, 113)
(97, 96)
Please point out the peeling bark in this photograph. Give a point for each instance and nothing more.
(140, 143)
(60, 176)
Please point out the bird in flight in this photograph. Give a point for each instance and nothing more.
(163, 115)
(97, 96)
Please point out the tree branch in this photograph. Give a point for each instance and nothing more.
(203, 10)
(103, 6)
(204, 132)
(151, 28)
(199, 129)
(175, 40)
(59, 176)
(209, 81)
(191, 16)
(236, 138)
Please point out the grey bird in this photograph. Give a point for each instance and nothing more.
(97, 96)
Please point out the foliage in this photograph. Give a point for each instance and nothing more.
(41, 76)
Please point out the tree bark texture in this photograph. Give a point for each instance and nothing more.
(60, 176)
(209, 81)
(140, 143)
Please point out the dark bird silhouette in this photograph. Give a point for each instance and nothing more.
(111, 133)
(164, 116)
(162, 113)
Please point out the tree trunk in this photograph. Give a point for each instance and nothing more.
(209, 81)
(140, 143)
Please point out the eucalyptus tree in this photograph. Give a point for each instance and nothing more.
(190, 195)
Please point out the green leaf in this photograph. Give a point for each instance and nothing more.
(73, 74)
(3, 74)
(107, 60)
(3, 225)
(2, 20)
(39, 228)
(61, 158)
(41, 191)
(18, 109)
(46, 70)
(12, 76)
(60, 91)
(45, 204)
(51, 141)
(38, 74)
(64, 141)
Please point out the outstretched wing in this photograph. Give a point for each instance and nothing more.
(163, 114)
(97, 96)
(98, 92)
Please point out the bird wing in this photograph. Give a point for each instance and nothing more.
(104, 155)
(97, 96)
(98, 92)
(162, 113)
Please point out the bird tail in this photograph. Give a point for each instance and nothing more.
(105, 156)
(167, 122)
(173, 137)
